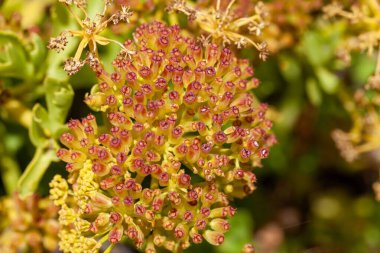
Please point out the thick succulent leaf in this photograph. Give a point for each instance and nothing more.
(59, 97)
(49, 123)
(39, 130)
(13, 57)
(38, 51)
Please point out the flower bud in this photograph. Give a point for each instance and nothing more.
(213, 237)
(220, 225)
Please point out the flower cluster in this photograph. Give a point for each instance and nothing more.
(181, 138)
(225, 23)
(363, 136)
(364, 18)
(90, 32)
(28, 225)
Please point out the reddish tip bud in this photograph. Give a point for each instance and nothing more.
(107, 183)
(119, 188)
(63, 154)
(99, 168)
(164, 178)
(220, 225)
(248, 248)
(264, 153)
(197, 238)
(220, 137)
(173, 213)
(121, 158)
(116, 170)
(132, 233)
(115, 234)
(67, 139)
(239, 174)
(128, 201)
(201, 224)
(115, 77)
(175, 198)
(168, 224)
(115, 200)
(188, 216)
(213, 237)
(205, 211)
(184, 180)
(115, 217)
(179, 232)
(139, 210)
(192, 195)
(245, 153)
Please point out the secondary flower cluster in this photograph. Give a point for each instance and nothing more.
(364, 135)
(227, 23)
(28, 225)
(363, 19)
(182, 135)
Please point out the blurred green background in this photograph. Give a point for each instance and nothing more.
(308, 198)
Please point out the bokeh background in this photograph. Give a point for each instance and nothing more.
(308, 198)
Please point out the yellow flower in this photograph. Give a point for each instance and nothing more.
(58, 190)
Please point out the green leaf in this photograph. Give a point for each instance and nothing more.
(59, 97)
(39, 130)
(327, 80)
(13, 57)
(313, 92)
(39, 50)
(45, 154)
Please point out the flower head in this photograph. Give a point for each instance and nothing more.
(184, 134)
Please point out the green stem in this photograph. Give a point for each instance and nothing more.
(43, 157)
(108, 250)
